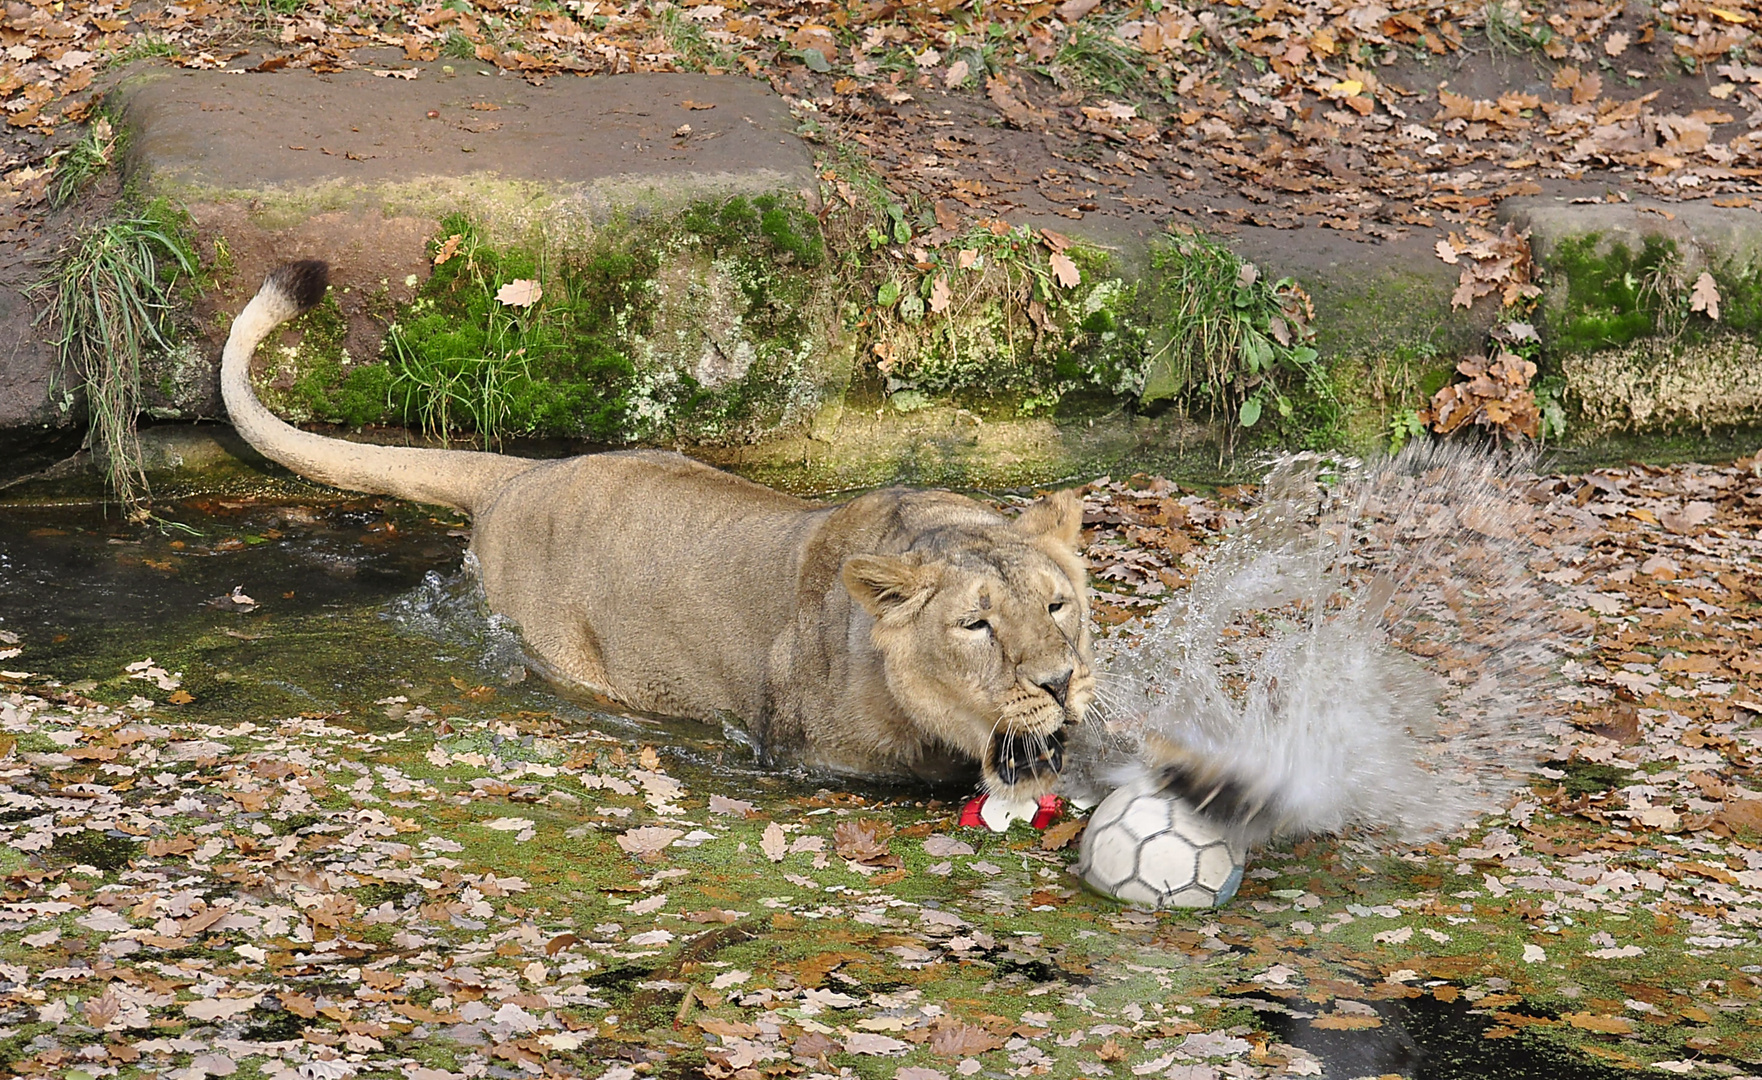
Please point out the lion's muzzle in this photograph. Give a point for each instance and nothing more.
(1016, 757)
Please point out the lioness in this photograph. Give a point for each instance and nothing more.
(900, 634)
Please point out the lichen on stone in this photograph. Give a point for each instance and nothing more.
(1652, 385)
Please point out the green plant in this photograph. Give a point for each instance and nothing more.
(696, 52)
(144, 47)
(1095, 57)
(1236, 344)
(458, 47)
(1403, 426)
(1509, 28)
(92, 153)
(112, 301)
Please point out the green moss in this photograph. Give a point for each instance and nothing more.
(1605, 301)
(712, 324)
(1012, 339)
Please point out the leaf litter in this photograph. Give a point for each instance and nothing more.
(1370, 119)
(469, 893)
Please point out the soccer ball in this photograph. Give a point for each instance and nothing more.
(1148, 848)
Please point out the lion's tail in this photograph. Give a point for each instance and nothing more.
(457, 478)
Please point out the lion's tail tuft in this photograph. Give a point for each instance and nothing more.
(456, 478)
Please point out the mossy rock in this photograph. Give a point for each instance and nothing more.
(716, 324)
(1656, 386)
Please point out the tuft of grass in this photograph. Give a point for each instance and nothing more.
(112, 300)
(145, 47)
(1094, 57)
(458, 47)
(1509, 28)
(696, 52)
(92, 153)
(1236, 343)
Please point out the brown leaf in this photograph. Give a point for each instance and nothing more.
(772, 842)
(559, 943)
(298, 1004)
(1705, 296)
(648, 841)
(940, 296)
(720, 1028)
(1608, 1025)
(813, 1046)
(103, 1008)
(161, 846)
(959, 1039)
(862, 840)
(1060, 836)
(1065, 270)
(1346, 1022)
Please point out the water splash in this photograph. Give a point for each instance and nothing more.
(1367, 651)
(453, 610)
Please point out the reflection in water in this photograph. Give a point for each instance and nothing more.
(1423, 1038)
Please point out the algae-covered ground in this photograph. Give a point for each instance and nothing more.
(276, 805)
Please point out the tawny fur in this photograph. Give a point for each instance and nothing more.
(896, 634)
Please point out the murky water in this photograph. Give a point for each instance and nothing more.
(272, 607)
(356, 610)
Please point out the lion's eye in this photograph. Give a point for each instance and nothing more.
(976, 624)
(1055, 607)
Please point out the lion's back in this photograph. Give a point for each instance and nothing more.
(647, 575)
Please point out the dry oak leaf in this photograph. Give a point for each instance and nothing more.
(648, 841)
(1065, 270)
(450, 247)
(940, 296)
(862, 840)
(520, 293)
(1704, 297)
(1608, 1025)
(962, 1040)
(1060, 836)
(862, 1042)
(772, 842)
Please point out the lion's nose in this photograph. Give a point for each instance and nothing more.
(1057, 685)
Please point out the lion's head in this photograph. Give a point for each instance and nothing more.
(982, 630)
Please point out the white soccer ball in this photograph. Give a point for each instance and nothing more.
(1150, 849)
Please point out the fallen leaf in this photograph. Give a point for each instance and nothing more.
(1065, 270)
(520, 293)
(648, 841)
(772, 842)
(1704, 297)
(940, 296)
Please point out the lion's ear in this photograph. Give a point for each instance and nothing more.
(1058, 517)
(884, 584)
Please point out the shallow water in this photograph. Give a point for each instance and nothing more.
(352, 603)
(357, 611)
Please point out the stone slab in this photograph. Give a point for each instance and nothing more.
(1704, 233)
(579, 148)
